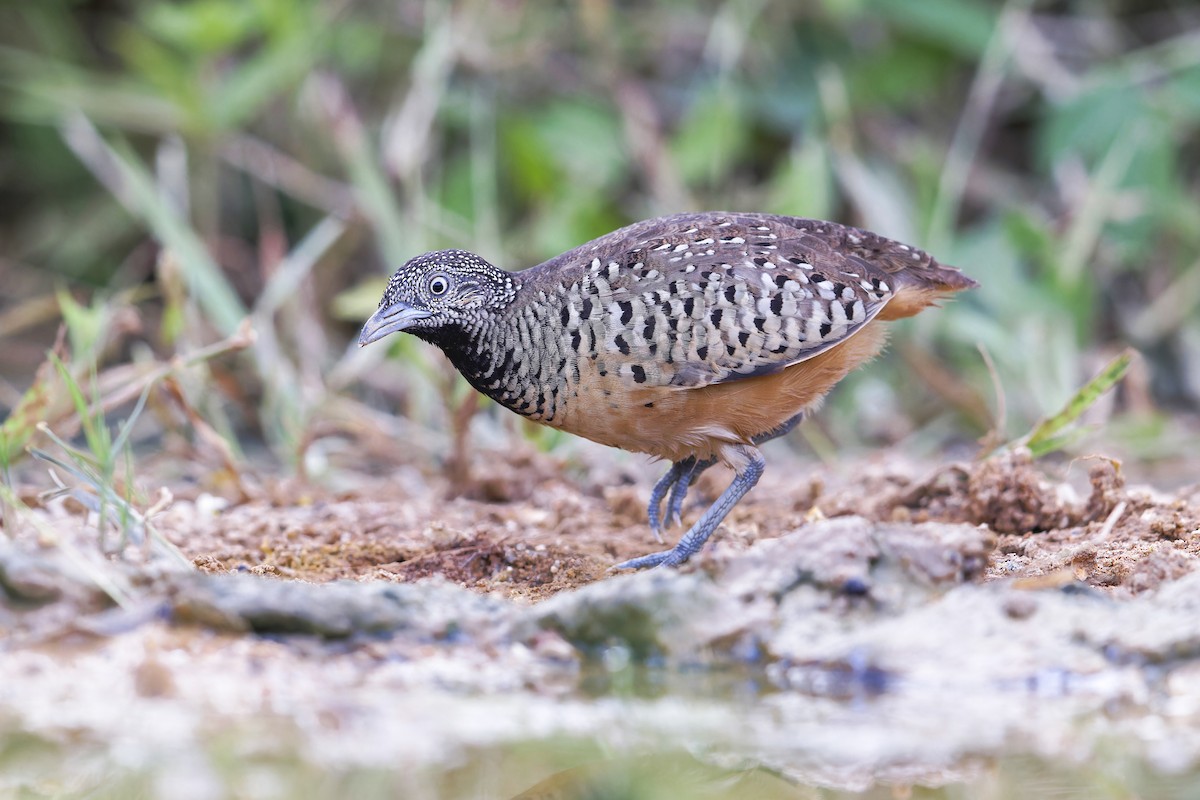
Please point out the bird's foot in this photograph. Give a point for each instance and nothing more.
(667, 558)
(688, 546)
(679, 491)
(691, 542)
(673, 487)
(668, 485)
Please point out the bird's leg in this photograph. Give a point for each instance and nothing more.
(782, 430)
(680, 490)
(669, 483)
(748, 466)
(685, 481)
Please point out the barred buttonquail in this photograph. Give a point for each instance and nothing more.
(692, 337)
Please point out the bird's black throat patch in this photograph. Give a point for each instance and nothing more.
(470, 353)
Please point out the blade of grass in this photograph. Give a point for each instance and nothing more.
(100, 575)
(133, 522)
(244, 337)
(297, 265)
(370, 184)
(275, 168)
(284, 399)
(43, 88)
(967, 136)
(127, 178)
(995, 436)
(1089, 219)
(127, 427)
(1047, 435)
(87, 411)
(98, 463)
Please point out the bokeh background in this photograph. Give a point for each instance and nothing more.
(168, 169)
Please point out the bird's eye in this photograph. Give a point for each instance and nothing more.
(438, 285)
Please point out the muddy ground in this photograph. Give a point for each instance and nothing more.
(978, 629)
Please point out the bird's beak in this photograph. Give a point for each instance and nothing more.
(390, 319)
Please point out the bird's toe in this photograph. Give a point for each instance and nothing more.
(647, 561)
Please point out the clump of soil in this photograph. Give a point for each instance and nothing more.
(1115, 536)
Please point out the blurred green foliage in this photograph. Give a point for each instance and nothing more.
(1048, 148)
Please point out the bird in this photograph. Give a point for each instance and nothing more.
(693, 338)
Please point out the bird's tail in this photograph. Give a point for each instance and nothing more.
(923, 285)
(939, 277)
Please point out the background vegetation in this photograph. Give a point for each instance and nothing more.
(168, 169)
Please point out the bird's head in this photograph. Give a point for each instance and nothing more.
(439, 290)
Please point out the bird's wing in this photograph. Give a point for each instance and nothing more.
(718, 304)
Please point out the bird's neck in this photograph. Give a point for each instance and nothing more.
(465, 345)
(488, 354)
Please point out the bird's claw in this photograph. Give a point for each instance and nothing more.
(692, 541)
(675, 502)
(666, 489)
(648, 561)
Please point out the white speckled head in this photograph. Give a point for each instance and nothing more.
(437, 289)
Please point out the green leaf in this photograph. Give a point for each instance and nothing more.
(963, 26)
(901, 75)
(1182, 93)
(571, 141)
(585, 140)
(203, 26)
(524, 159)
(458, 187)
(259, 80)
(94, 429)
(85, 326)
(1092, 122)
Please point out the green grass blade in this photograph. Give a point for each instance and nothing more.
(89, 421)
(1047, 435)
(1097, 207)
(127, 427)
(131, 183)
(290, 273)
(375, 197)
(81, 470)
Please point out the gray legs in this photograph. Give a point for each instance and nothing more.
(782, 430)
(673, 487)
(675, 484)
(695, 538)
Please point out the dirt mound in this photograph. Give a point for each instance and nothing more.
(1134, 538)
